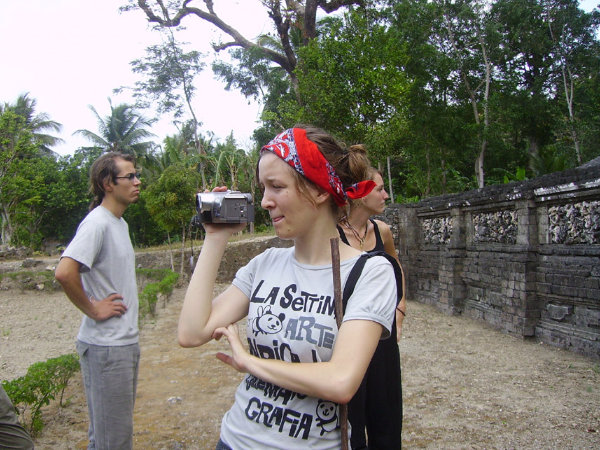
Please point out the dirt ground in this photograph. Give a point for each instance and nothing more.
(465, 385)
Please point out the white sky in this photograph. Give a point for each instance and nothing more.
(69, 54)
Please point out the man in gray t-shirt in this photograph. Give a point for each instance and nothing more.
(97, 273)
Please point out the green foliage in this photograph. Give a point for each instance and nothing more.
(263, 228)
(123, 130)
(168, 76)
(406, 78)
(32, 191)
(143, 227)
(149, 295)
(351, 79)
(17, 154)
(171, 199)
(41, 384)
(35, 123)
(505, 176)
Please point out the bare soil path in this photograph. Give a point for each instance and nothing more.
(466, 386)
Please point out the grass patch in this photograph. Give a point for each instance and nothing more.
(28, 279)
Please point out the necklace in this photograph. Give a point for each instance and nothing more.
(361, 240)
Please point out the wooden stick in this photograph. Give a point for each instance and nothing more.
(339, 314)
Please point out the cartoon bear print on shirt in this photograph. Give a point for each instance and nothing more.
(266, 322)
(327, 417)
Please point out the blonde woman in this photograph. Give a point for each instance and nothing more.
(377, 406)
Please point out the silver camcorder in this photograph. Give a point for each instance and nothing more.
(223, 207)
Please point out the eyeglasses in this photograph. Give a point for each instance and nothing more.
(131, 176)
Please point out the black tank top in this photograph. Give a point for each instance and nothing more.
(378, 240)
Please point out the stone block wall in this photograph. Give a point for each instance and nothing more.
(523, 257)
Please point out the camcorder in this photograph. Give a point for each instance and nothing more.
(223, 207)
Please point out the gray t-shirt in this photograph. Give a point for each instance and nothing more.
(291, 318)
(103, 247)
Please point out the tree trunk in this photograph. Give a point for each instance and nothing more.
(7, 230)
(482, 133)
(534, 150)
(569, 98)
(182, 251)
(389, 171)
(444, 178)
(569, 89)
(479, 165)
(428, 178)
(170, 252)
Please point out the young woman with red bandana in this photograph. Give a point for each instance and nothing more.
(299, 366)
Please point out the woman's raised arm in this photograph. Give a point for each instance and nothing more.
(200, 314)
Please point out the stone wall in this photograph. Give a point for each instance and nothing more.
(236, 255)
(523, 257)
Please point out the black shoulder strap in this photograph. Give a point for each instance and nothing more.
(356, 271)
(342, 235)
(353, 277)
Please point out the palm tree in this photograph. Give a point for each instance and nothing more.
(227, 158)
(36, 123)
(124, 130)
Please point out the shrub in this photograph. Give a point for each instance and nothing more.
(149, 295)
(42, 382)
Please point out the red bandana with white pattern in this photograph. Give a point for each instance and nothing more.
(304, 157)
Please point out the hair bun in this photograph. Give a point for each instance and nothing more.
(358, 148)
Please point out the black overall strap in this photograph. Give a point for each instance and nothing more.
(353, 277)
(357, 271)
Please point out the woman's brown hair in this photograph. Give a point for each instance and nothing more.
(350, 164)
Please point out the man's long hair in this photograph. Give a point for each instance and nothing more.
(102, 171)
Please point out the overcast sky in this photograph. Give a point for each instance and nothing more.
(68, 54)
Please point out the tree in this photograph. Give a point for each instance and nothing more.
(124, 130)
(465, 27)
(577, 52)
(16, 142)
(290, 20)
(525, 60)
(229, 161)
(256, 78)
(68, 196)
(29, 198)
(353, 83)
(436, 139)
(352, 79)
(36, 123)
(171, 201)
(546, 52)
(169, 81)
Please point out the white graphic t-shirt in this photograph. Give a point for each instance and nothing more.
(291, 318)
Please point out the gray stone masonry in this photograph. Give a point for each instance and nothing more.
(523, 257)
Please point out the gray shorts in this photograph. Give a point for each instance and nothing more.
(110, 378)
